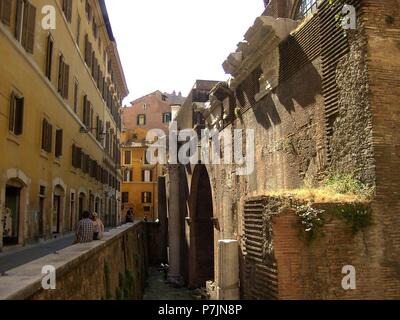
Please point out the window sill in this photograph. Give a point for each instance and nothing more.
(57, 162)
(13, 138)
(44, 155)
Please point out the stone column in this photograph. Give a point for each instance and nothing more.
(228, 270)
(163, 220)
(174, 227)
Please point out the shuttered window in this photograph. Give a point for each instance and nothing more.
(5, 11)
(59, 143)
(125, 197)
(128, 157)
(49, 56)
(63, 78)
(146, 197)
(67, 9)
(88, 52)
(16, 115)
(25, 24)
(47, 136)
(78, 31)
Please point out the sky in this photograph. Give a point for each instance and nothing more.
(167, 44)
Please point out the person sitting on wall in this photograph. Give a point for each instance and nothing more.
(130, 216)
(98, 227)
(84, 230)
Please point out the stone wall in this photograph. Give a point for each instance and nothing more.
(112, 269)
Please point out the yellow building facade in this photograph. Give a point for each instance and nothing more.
(140, 179)
(61, 89)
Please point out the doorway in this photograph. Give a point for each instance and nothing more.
(11, 217)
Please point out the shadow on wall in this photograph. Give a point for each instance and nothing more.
(303, 86)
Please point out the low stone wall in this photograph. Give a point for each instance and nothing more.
(112, 269)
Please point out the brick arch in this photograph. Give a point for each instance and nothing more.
(201, 254)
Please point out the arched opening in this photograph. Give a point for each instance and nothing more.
(201, 264)
(13, 217)
(58, 209)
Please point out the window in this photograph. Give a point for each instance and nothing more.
(125, 197)
(49, 56)
(16, 117)
(67, 9)
(76, 88)
(78, 31)
(88, 10)
(88, 52)
(128, 157)
(59, 143)
(147, 175)
(146, 197)
(128, 175)
(147, 209)
(25, 24)
(94, 27)
(63, 77)
(167, 117)
(5, 11)
(47, 136)
(141, 120)
(306, 8)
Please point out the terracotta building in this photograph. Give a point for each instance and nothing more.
(61, 91)
(140, 179)
(322, 100)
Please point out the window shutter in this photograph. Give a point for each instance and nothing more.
(50, 137)
(49, 57)
(28, 28)
(5, 7)
(44, 134)
(66, 81)
(18, 20)
(69, 10)
(59, 143)
(12, 113)
(84, 110)
(19, 116)
(61, 74)
(73, 156)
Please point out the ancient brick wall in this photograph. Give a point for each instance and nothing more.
(382, 27)
(342, 119)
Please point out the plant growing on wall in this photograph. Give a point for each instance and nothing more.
(311, 221)
(359, 215)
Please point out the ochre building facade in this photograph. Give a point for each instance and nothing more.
(61, 89)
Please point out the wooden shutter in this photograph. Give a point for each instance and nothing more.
(28, 33)
(19, 116)
(49, 137)
(69, 10)
(49, 56)
(61, 75)
(12, 113)
(59, 143)
(44, 135)
(66, 81)
(18, 19)
(5, 8)
(84, 111)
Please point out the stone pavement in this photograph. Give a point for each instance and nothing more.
(157, 289)
(15, 258)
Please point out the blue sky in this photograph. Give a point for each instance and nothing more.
(167, 44)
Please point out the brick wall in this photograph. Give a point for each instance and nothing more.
(382, 26)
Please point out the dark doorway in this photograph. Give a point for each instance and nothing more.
(56, 214)
(202, 230)
(11, 217)
(81, 206)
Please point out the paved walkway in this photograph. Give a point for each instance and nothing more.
(15, 258)
(158, 290)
